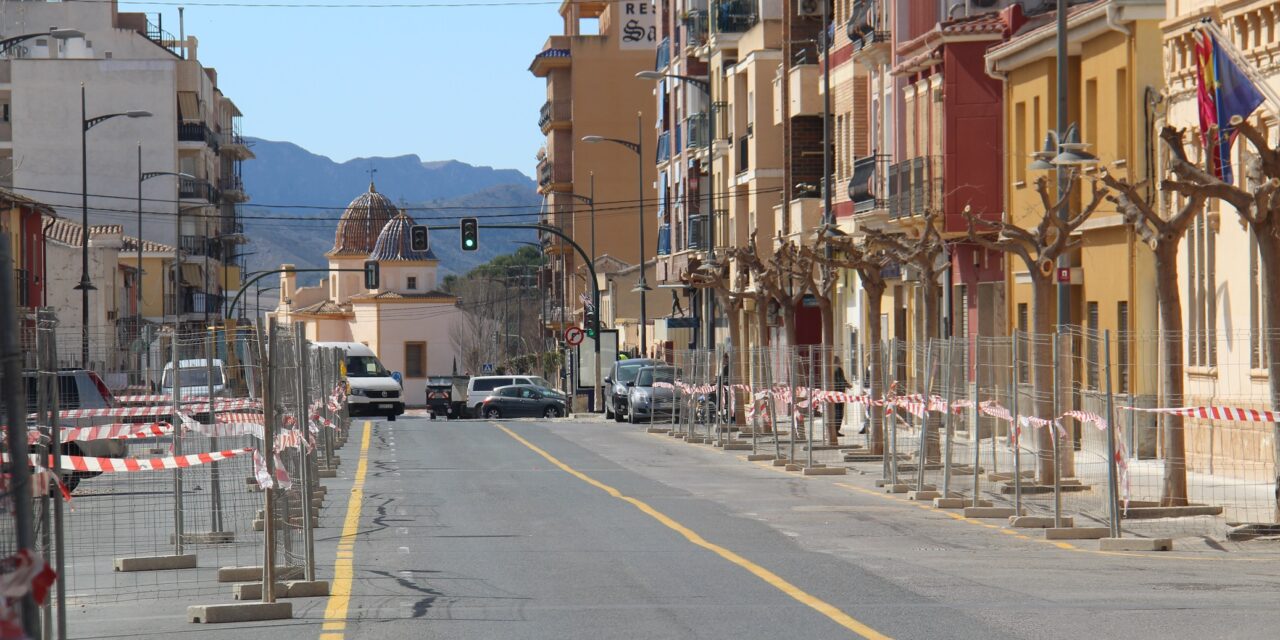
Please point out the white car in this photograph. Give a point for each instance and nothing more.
(197, 377)
(372, 390)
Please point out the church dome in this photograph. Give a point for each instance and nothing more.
(361, 223)
(394, 243)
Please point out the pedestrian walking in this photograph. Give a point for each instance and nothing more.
(839, 384)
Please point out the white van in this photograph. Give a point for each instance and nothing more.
(194, 376)
(478, 388)
(372, 389)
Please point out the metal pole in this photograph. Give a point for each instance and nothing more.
(1064, 173)
(1113, 500)
(927, 381)
(85, 284)
(268, 458)
(811, 396)
(48, 451)
(773, 404)
(175, 397)
(948, 384)
(137, 285)
(304, 406)
(16, 422)
(215, 476)
(791, 408)
(975, 430)
(711, 211)
(1057, 439)
(1014, 429)
(891, 414)
(596, 390)
(644, 315)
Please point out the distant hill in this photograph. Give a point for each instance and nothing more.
(297, 196)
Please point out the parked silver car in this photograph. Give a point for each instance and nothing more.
(653, 395)
(79, 389)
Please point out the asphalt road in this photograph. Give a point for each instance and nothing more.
(573, 529)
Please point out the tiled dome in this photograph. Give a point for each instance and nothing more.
(361, 223)
(394, 242)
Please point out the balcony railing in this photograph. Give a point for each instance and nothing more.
(695, 27)
(868, 187)
(544, 115)
(915, 186)
(197, 245)
(196, 189)
(697, 232)
(664, 146)
(544, 173)
(868, 23)
(231, 183)
(664, 55)
(736, 16)
(743, 153)
(197, 132)
(698, 131)
(664, 239)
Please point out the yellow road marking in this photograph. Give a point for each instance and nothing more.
(335, 612)
(839, 617)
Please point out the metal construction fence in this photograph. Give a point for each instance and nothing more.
(193, 452)
(1078, 425)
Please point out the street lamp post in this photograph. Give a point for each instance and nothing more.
(705, 85)
(85, 286)
(595, 303)
(53, 32)
(143, 176)
(642, 286)
(1064, 174)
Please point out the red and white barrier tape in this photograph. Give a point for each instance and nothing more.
(260, 473)
(125, 465)
(1215, 413)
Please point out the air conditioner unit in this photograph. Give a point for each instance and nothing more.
(810, 8)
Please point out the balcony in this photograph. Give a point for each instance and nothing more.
(196, 246)
(664, 240)
(736, 16)
(555, 54)
(802, 214)
(695, 25)
(234, 144)
(232, 188)
(553, 115)
(697, 227)
(743, 154)
(196, 189)
(698, 131)
(663, 59)
(915, 186)
(803, 81)
(868, 24)
(664, 146)
(868, 187)
(197, 132)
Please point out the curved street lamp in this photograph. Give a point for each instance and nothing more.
(53, 32)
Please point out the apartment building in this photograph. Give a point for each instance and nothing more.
(592, 91)
(1219, 269)
(127, 62)
(23, 220)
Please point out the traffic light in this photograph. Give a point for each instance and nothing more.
(589, 323)
(419, 240)
(371, 274)
(470, 234)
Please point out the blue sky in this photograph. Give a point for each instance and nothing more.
(441, 82)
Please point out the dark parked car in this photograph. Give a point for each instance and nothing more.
(522, 401)
(624, 371)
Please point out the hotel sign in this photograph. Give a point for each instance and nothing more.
(639, 28)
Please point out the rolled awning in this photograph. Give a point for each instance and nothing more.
(189, 106)
(192, 275)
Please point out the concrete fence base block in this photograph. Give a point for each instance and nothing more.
(1039, 522)
(156, 563)
(250, 574)
(327, 473)
(737, 446)
(824, 471)
(243, 612)
(760, 457)
(1077, 533)
(1135, 544)
(696, 440)
(306, 588)
(989, 512)
(781, 462)
(794, 466)
(923, 496)
(207, 537)
(897, 488)
(958, 503)
(253, 590)
(657, 430)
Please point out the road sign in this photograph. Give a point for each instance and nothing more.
(486, 367)
(573, 336)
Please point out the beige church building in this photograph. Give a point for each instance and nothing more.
(406, 321)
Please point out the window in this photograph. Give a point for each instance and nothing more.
(1257, 304)
(415, 359)
(411, 283)
(1020, 142)
(1121, 117)
(1092, 341)
(5, 115)
(1023, 374)
(1122, 346)
(1202, 350)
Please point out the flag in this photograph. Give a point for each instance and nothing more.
(1223, 92)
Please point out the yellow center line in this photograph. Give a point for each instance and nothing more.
(335, 612)
(839, 617)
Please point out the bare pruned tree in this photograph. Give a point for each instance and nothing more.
(475, 335)
(1039, 248)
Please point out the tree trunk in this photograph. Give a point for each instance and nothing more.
(738, 375)
(933, 422)
(1042, 363)
(1269, 255)
(875, 296)
(1173, 491)
(762, 326)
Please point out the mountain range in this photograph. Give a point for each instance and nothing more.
(297, 197)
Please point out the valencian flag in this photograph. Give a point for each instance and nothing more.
(1223, 92)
